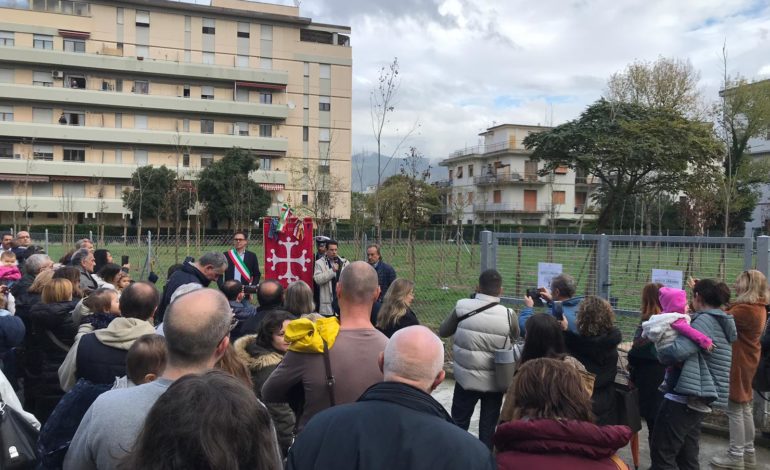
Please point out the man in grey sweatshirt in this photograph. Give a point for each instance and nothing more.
(197, 328)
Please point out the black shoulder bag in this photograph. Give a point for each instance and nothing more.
(478, 310)
(18, 439)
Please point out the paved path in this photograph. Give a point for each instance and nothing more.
(710, 444)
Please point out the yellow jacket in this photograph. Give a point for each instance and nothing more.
(307, 336)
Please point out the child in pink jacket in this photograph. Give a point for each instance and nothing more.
(9, 271)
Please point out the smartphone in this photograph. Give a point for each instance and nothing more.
(124, 260)
(558, 310)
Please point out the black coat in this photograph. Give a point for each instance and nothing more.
(385, 277)
(187, 274)
(392, 426)
(599, 355)
(97, 362)
(250, 260)
(409, 319)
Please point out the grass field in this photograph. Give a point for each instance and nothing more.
(443, 274)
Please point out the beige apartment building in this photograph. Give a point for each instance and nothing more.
(91, 90)
(496, 183)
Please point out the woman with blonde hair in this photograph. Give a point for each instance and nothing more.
(595, 345)
(750, 314)
(552, 424)
(396, 312)
(298, 299)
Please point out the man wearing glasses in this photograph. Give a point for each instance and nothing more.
(242, 265)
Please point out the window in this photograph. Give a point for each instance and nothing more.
(470, 197)
(304, 199)
(6, 38)
(207, 92)
(74, 154)
(209, 26)
(119, 15)
(42, 79)
(459, 172)
(42, 41)
(241, 61)
(185, 125)
(266, 32)
(470, 171)
(497, 196)
(118, 120)
(265, 130)
(142, 51)
(208, 58)
(324, 103)
(207, 126)
(6, 150)
(306, 102)
(206, 160)
(186, 160)
(118, 155)
(140, 121)
(265, 63)
(75, 81)
(74, 45)
(42, 115)
(73, 118)
(323, 198)
(187, 24)
(305, 133)
(142, 18)
(141, 87)
(558, 197)
(326, 71)
(119, 84)
(306, 69)
(451, 174)
(241, 128)
(7, 75)
(266, 163)
(324, 135)
(52, 215)
(6, 113)
(266, 97)
(186, 91)
(140, 157)
(243, 30)
(42, 152)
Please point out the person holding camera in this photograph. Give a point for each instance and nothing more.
(242, 265)
(326, 274)
(561, 300)
(234, 291)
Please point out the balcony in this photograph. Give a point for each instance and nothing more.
(511, 178)
(89, 205)
(139, 102)
(511, 208)
(138, 137)
(587, 181)
(58, 60)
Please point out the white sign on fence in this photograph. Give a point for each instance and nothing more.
(546, 272)
(668, 278)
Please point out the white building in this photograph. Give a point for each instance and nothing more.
(760, 149)
(498, 183)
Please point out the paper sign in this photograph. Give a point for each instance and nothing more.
(546, 272)
(668, 278)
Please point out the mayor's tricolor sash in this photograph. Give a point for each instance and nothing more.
(240, 265)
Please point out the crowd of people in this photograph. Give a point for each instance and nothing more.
(260, 375)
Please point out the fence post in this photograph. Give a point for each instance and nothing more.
(763, 257)
(147, 262)
(91, 235)
(364, 243)
(487, 257)
(603, 267)
(748, 253)
(46, 241)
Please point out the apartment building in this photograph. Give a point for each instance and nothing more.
(496, 182)
(91, 90)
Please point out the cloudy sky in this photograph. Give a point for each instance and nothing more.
(469, 64)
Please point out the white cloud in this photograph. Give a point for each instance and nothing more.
(467, 63)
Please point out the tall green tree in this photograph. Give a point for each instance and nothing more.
(228, 191)
(631, 148)
(148, 193)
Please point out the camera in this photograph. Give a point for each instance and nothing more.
(249, 289)
(534, 294)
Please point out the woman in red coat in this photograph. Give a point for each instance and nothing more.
(750, 314)
(552, 424)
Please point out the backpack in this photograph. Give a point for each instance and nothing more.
(58, 431)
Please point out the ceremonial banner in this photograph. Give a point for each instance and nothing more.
(289, 253)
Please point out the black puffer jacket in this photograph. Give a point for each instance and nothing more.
(261, 362)
(187, 274)
(599, 355)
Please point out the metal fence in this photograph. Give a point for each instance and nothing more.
(615, 267)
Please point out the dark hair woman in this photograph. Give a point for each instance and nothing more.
(262, 353)
(71, 274)
(552, 423)
(102, 257)
(217, 423)
(646, 371)
(107, 275)
(595, 345)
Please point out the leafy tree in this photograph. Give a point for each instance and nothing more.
(228, 192)
(630, 148)
(146, 198)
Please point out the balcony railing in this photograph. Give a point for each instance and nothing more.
(482, 149)
(502, 178)
(512, 207)
(586, 180)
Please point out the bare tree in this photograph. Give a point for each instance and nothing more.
(23, 202)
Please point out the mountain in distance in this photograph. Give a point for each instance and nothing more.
(364, 169)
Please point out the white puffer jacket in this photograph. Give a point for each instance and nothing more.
(477, 338)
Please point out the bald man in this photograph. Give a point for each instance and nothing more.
(197, 327)
(395, 423)
(353, 358)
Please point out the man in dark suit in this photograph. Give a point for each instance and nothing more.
(242, 265)
(385, 272)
